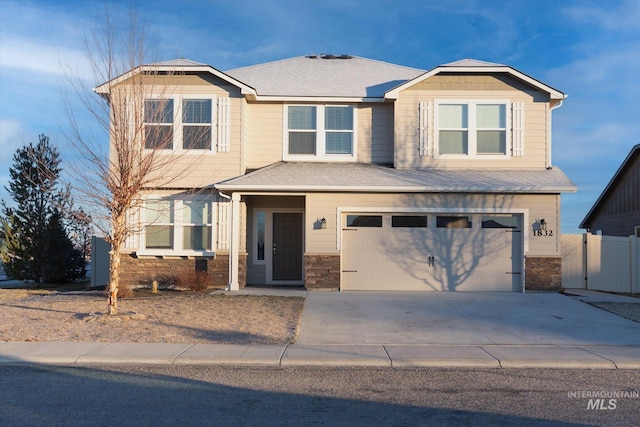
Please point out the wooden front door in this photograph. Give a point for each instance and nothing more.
(287, 246)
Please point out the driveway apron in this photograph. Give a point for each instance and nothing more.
(457, 318)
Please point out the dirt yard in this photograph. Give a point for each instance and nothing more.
(624, 309)
(166, 317)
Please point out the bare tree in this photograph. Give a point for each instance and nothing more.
(139, 129)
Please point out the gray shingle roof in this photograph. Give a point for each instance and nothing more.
(180, 62)
(362, 177)
(314, 75)
(469, 62)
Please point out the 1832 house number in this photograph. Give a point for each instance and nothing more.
(543, 233)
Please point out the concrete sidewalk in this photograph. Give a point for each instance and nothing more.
(400, 356)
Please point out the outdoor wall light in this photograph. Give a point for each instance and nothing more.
(543, 224)
(321, 223)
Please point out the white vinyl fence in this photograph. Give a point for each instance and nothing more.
(602, 263)
(99, 262)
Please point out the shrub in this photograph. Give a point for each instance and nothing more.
(198, 281)
(167, 281)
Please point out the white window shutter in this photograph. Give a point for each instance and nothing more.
(134, 224)
(425, 110)
(224, 128)
(517, 129)
(224, 214)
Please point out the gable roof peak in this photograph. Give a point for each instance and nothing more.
(470, 62)
(178, 62)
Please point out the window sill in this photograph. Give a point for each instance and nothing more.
(159, 253)
(472, 156)
(190, 152)
(325, 159)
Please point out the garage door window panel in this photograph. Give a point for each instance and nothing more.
(409, 221)
(364, 220)
(453, 222)
(500, 221)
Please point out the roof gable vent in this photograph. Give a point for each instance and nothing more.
(329, 56)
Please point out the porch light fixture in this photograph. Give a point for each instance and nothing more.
(543, 224)
(322, 223)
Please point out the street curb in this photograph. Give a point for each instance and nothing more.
(374, 355)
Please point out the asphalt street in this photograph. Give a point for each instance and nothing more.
(127, 395)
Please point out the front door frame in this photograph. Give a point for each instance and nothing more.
(268, 243)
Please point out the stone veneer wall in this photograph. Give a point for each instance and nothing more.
(141, 271)
(543, 273)
(322, 272)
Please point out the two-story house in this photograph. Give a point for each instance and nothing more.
(346, 173)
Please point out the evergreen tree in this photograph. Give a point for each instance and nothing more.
(63, 262)
(36, 237)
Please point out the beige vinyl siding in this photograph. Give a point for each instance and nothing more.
(264, 134)
(470, 87)
(194, 168)
(325, 205)
(375, 133)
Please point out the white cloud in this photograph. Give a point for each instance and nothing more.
(613, 16)
(610, 70)
(31, 56)
(12, 137)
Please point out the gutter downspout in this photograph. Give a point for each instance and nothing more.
(234, 243)
(548, 159)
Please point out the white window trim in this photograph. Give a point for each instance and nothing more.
(320, 131)
(178, 127)
(472, 129)
(178, 224)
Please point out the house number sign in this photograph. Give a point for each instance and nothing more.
(540, 228)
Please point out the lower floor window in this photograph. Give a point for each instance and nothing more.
(178, 224)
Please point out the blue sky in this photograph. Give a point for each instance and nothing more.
(587, 49)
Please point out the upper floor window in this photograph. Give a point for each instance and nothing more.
(196, 125)
(471, 128)
(321, 131)
(158, 124)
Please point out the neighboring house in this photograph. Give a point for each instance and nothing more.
(345, 173)
(617, 210)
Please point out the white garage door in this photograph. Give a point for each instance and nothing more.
(432, 252)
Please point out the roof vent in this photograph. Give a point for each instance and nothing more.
(312, 56)
(330, 56)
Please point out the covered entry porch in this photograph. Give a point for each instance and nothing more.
(275, 230)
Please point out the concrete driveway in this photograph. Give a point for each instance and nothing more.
(457, 318)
